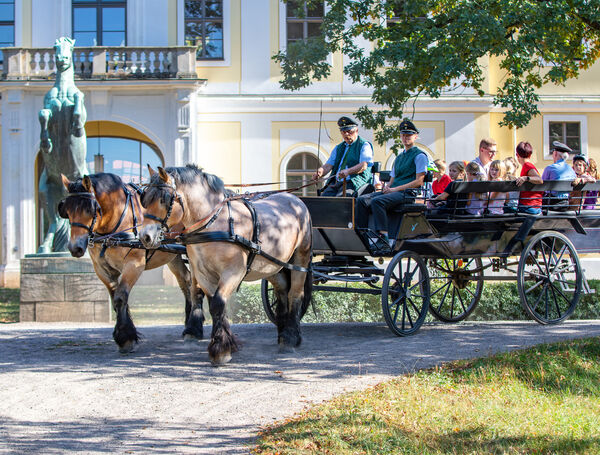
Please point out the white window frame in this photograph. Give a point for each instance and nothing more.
(226, 34)
(319, 155)
(283, 29)
(583, 131)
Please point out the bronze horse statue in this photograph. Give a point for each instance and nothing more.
(280, 224)
(62, 143)
(101, 208)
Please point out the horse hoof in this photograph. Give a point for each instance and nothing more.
(221, 360)
(187, 338)
(286, 349)
(127, 347)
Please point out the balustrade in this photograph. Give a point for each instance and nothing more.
(144, 62)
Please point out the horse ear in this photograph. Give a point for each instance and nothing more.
(164, 176)
(87, 184)
(150, 170)
(65, 181)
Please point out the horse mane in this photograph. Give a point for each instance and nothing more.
(186, 175)
(102, 183)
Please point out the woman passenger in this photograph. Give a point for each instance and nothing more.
(591, 196)
(529, 201)
(580, 165)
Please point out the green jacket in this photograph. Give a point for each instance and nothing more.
(405, 169)
(352, 159)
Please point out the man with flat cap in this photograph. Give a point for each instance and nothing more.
(407, 176)
(350, 161)
(559, 170)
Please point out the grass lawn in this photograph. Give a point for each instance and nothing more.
(543, 400)
(9, 305)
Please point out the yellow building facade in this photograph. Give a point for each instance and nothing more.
(226, 113)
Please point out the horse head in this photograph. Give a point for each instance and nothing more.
(161, 210)
(81, 208)
(63, 53)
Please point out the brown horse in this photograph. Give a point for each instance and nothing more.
(189, 196)
(102, 206)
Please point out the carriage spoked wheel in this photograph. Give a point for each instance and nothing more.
(405, 293)
(549, 278)
(456, 287)
(269, 303)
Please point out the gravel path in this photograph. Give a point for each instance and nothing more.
(65, 389)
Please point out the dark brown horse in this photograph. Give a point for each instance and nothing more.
(102, 207)
(189, 196)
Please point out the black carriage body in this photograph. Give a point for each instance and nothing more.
(444, 256)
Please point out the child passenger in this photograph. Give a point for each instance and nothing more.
(441, 179)
(448, 201)
(476, 201)
(497, 173)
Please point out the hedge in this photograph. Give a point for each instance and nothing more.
(499, 301)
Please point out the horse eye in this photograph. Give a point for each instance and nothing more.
(61, 210)
(143, 200)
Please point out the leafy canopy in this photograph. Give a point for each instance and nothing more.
(436, 48)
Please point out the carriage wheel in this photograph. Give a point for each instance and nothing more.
(549, 278)
(269, 304)
(405, 293)
(454, 293)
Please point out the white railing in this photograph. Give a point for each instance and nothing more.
(144, 62)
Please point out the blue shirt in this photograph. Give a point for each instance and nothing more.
(559, 171)
(366, 154)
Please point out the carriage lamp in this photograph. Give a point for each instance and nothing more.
(98, 162)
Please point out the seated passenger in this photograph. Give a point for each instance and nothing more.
(350, 160)
(512, 197)
(440, 178)
(407, 176)
(497, 199)
(530, 202)
(487, 151)
(591, 197)
(449, 202)
(476, 201)
(559, 170)
(580, 166)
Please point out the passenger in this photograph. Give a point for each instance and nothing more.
(512, 197)
(476, 201)
(591, 197)
(580, 165)
(487, 151)
(530, 202)
(351, 161)
(449, 202)
(407, 176)
(497, 199)
(441, 179)
(559, 170)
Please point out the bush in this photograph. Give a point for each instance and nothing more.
(499, 301)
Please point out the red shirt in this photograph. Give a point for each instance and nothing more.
(438, 186)
(530, 198)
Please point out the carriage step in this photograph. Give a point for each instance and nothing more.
(586, 287)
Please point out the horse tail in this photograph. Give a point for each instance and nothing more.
(308, 280)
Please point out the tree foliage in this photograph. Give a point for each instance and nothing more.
(438, 46)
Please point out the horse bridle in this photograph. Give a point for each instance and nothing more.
(164, 226)
(97, 210)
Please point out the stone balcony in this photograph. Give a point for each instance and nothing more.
(103, 63)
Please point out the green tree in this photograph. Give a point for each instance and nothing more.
(434, 47)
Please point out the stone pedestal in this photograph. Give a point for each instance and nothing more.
(57, 287)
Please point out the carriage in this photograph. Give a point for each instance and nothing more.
(440, 261)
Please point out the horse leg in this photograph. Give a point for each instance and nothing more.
(125, 334)
(222, 342)
(299, 290)
(194, 316)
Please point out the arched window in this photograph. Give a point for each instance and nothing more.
(299, 171)
(125, 157)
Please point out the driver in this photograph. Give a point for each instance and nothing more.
(351, 161)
